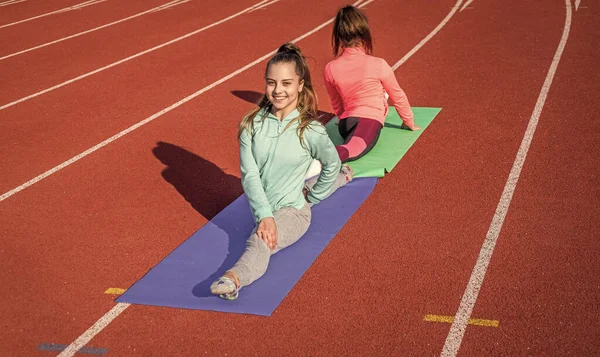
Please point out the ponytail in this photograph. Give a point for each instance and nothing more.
(351, 29)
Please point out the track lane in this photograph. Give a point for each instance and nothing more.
(475, 170)
(38, 70)
(487, 83)
(29, 8)
(27, 35)
(542, 283)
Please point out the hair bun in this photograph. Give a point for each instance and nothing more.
(290, 48)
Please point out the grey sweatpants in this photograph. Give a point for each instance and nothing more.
(291, 224)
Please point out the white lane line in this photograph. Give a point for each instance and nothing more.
(85, 4)
(457, 330)
(87, 336)
(10, 2)
(171, 4)
(465, 5)
(577, 3)
(49, 13)
(366, 3)
(428, 37)
(264, 5)
(80, 34)
(123, 60)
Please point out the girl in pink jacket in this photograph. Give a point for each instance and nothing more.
(358, 85)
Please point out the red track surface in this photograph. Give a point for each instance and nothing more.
(407, 252)
(36, 32)
(30, 8)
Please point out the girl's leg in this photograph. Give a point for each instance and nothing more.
(291, 224)
(362, 139)
(344, 176)
(346, 126)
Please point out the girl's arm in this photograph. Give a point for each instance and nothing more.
(334, 96)
(397, 95)
(251, 182)
(322, 149)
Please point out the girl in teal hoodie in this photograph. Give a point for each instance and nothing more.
(279, 140)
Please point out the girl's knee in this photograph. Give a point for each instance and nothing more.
(255, 242)
(343, 152)
(352, 149)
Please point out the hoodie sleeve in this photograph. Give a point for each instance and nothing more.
(321, 148)
(336, 100)
(397, 95)
(251, 182)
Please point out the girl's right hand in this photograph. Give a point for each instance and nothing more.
(412, 128)
(267, 231)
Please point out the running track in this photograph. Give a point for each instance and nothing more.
(408, 252)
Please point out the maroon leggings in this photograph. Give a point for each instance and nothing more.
(360, 136)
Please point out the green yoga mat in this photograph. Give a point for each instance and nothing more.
(392, 145)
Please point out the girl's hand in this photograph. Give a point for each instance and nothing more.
(412, 127)
(267, 231)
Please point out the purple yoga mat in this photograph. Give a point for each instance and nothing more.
(183, 278)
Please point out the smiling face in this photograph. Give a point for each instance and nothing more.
(282, 88)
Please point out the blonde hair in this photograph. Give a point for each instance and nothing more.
(307, 98)
(350, 29)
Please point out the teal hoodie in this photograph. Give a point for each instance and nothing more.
(274, 164)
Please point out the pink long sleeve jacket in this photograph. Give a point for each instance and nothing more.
(356, 82)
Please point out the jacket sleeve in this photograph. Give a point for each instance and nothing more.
(251, 182)
(397, 95)
(336, 100)
(321, 148)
